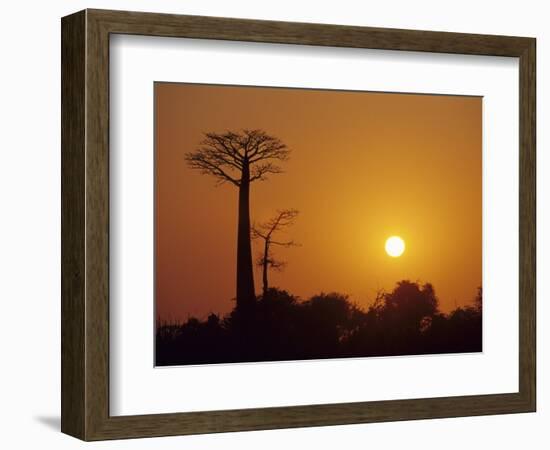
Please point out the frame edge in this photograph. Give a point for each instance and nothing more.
(527, 224)
(73, 224)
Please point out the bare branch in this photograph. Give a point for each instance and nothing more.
(285, 244)
(208, 165)
(276, 264)
(262, 147)
(224, 143)
(256, 232)
(266, 230)
(224, 155)
(260, 171)
(271, 263)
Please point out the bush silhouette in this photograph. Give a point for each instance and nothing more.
(281, 326)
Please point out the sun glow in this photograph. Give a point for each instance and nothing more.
(395, 246)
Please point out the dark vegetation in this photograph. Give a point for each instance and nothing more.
(279, 326)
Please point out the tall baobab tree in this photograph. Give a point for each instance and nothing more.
(240, 158)
(267, 231)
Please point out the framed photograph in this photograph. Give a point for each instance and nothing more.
(270, 224)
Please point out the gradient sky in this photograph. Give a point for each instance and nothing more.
(363, 166)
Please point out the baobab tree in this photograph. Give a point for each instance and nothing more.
(267, 232)
(240, 158)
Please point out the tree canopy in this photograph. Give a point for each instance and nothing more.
(225, 155)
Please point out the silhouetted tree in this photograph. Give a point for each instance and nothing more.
(267, 231)
(408, 305)
(240, 158)
(404, 321)
(478, 300)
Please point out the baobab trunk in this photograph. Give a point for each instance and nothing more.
(264, 268)
(245, 276)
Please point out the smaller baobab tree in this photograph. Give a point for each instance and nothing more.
(267, 232)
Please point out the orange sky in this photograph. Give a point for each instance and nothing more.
(363, 166)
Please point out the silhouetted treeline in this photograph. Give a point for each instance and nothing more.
(279, 326)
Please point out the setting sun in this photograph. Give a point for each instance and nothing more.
(395, 246)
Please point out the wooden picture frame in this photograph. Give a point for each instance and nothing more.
(85, 224)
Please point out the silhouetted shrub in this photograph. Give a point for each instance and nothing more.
(281, 326)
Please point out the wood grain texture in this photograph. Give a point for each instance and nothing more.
(73, 225)
(527, 223)
(151, 24)
(85, 224)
